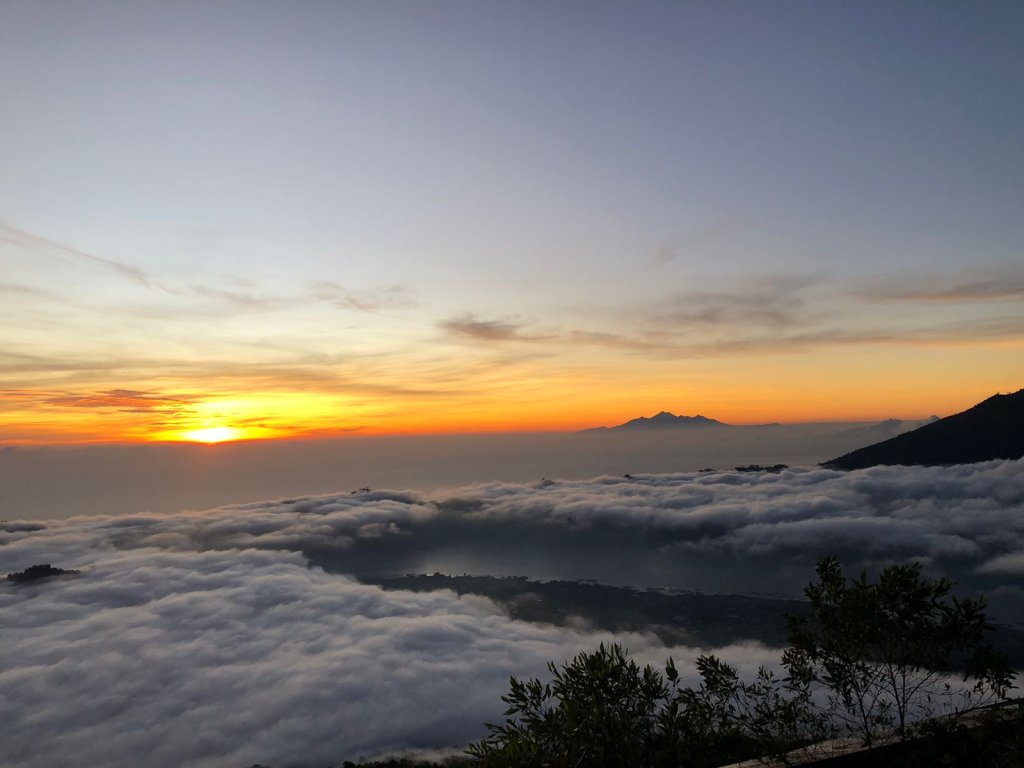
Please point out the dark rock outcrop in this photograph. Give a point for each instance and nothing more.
(36, 572)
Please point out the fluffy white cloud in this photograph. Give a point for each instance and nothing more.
(172, 658)
(207, 639)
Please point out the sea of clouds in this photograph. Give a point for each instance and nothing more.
(243, 634)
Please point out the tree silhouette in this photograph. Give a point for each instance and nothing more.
(869, 659)
(890, 652)
(603, 709)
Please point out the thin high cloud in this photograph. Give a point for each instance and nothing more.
(300, 373)
(778, 301)
(38, 244)
(981, 284)
(237, 294)
(17, 289)
(473, 327)
(800, 313)
(691, 243)
(730, 327)
(372, 300)
(239, 299)
(123, 400)
(160, 410)
(618, 341)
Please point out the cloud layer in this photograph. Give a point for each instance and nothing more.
(206, 638)
(233, 657)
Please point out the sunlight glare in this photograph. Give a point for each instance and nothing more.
(213, 434)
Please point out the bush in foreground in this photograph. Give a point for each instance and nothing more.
(869, 660)
(888, 653)
(603, 709)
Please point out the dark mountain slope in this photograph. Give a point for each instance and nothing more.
(993, 429)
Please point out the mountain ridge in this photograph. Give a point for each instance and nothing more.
(992, 429)
(663, 420)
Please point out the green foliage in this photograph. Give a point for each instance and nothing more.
(598, 709)
(869, 658)
(888, 653)
(603, 709)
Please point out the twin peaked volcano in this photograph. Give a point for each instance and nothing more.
(993, 429)
(664, 420)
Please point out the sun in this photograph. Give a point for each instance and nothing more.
(212, 434)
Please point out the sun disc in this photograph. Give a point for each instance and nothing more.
(213, 434)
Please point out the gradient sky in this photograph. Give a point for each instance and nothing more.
(318, 217)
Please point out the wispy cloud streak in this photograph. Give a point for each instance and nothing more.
(981, 284)
(473, 327)
(39, 244)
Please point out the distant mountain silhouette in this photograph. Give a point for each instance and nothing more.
(993, 429)
(883, 430)
(664, 420)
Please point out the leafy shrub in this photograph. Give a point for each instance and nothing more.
(889, 653)
(869, 659)
(603, 709)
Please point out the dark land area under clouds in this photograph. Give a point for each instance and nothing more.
(676, 617)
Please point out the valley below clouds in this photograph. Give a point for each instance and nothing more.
(246, 633)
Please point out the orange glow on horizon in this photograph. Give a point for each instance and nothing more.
(846, 385)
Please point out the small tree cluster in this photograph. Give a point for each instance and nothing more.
(869, 658)
(890, 653)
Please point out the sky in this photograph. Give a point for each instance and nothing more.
(261, 219)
